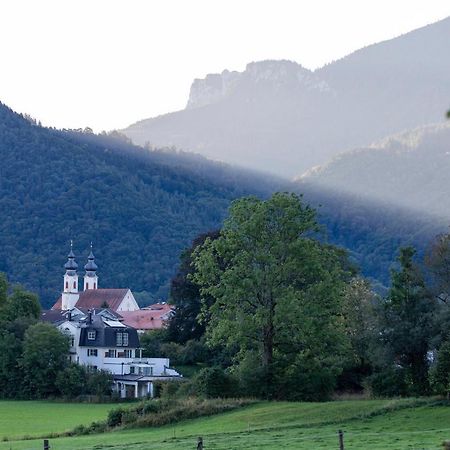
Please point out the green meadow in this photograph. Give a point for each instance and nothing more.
(367, 424)
(37, 418)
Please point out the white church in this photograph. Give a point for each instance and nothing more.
(99, 337)
(91, 296)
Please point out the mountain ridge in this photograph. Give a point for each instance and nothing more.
(286, 127)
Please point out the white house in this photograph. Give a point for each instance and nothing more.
(99, 338)
(100, 342)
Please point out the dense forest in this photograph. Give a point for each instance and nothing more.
(141, 207)
(140, 212)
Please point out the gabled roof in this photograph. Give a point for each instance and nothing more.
(151, 318)
(97, 298)
(53, 316)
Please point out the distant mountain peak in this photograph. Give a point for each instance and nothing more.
(272, 75)
(281, 117)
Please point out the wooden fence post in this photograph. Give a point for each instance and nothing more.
(46, 444)
(200, 443)
(341, 440)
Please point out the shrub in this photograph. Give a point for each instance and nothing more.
(173, 351)
(390, 382)
(71, 381)
(115, 417)
(440, 373)
(214, 382)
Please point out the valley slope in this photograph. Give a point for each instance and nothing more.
(139, 208)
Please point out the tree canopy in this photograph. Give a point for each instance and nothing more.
(277, 294)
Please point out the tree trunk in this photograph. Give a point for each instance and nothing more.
(267, 357)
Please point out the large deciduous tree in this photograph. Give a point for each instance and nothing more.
(45, 351)
(277, 295)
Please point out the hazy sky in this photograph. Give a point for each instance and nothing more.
(108, 63)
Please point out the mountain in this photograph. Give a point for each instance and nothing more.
(409, 170)
(278, 116)
(395, 192)
(140, 208)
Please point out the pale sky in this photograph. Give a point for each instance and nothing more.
(108, 63)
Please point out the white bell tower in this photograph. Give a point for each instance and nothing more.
(90, 277)
(70, 293)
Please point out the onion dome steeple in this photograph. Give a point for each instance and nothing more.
(90, 277)
(91, 266)
(71, 264)
(70, 292)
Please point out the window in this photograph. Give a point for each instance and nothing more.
(110, 354)
(148, 371)
(67, 285)
(92, 352)
(91, 335)
(128, 353)
(132, 369)
(122, 339)
(72, 341)
(92, 368)
(74, 285)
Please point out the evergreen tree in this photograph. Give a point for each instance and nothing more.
(408, 323)
(185, 296)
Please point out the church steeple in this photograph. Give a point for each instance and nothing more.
(90, 277)
(70, 293)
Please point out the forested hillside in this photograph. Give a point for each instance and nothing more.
(139, 208)
(395, 191)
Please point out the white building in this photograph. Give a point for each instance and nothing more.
(91, 296)
(99, 339)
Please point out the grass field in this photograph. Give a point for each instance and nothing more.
(35, 418)
(367, 424)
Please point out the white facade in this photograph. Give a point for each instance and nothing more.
(90, 282)
(113, 359)
(133, 375)
(70, 293)
(128, 303)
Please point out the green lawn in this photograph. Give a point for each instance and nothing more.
(35, 418)
(367, 424)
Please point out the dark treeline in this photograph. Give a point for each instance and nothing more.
(140, 212)
(141, 207)
(265, 308)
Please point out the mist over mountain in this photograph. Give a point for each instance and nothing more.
(278, 116)
(409, 170)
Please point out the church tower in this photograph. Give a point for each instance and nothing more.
(70, 293)
(90, 277)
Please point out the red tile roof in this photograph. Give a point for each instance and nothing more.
(97, 298)
(151, 318)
